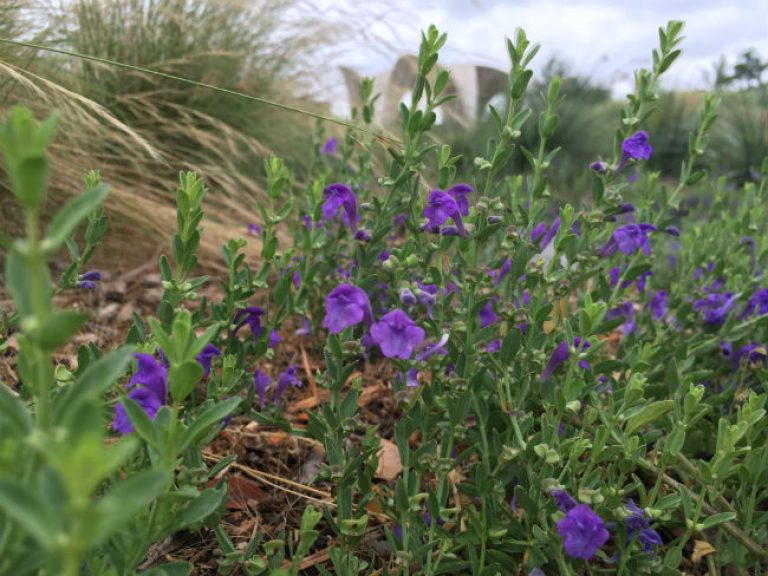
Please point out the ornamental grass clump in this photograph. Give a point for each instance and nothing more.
(567, 389)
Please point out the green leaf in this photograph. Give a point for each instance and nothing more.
(127, 500)
(12, 410)
(26, 508)
(59, 329)
(30, 180)
(170, 569)
(716, 519)
(207, 503)
(209, 417)
(142, 425)
(96, 380)
(70, 216)
(182, 379)
(16, 280)
(648, 414)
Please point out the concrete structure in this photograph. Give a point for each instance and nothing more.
(475, 86)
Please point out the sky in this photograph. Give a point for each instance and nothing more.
(606, 40)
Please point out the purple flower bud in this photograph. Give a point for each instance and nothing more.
(412, 378)
(538, 231)
(559, 356)
(672, 231)
(551, 233)
(658, 305)
(598, 167)
(88, 280)
(363, 235)
(254, 229)
(487, 315)
(306, 328)
(274, 339)
(564, 500)
(329, 148)
(407, 298)
(261, 383)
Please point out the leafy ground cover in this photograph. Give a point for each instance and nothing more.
(424, 372)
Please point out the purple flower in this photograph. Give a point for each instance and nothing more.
(551, 233)
(340, 196)
(564, 501)
(261, 383)
(638, 525)
(206, 357)
(635, 147)
(559, 356)
(149, 389)
(397, 335)
(627, 311)
(538, 231)
(251, 316)
(758, 302)
(412, 378)
(580, 344)
(754, 353)
(582, 531)
(440, 207)
(627, 239)
(274, 339)
(487, 315)
(146, 400)
(363, 235)
(329, 148)
(658, 305)
(287, 378)
(427, 296)
(672, 231)
(306, 328)
(715, 306)
(433, 348)
(493, 346)
(498, 275)
(254, 229)
(459, 193)
(598, 167)
(88, 280)
(346, 305)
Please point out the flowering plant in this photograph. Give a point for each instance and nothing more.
(574, 389)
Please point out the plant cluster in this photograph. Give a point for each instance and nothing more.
(576, 395)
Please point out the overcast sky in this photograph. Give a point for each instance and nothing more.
(603, 39)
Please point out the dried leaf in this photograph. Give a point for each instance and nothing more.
(243, 491)
(701, 548)
(389, 461)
